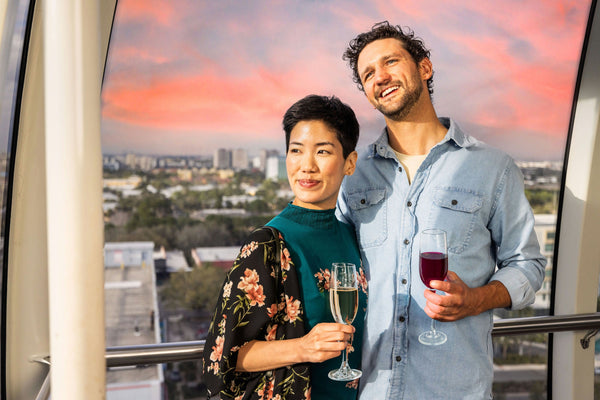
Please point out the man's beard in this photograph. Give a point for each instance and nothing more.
(401, 109)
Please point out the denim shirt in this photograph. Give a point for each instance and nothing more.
(475, 193)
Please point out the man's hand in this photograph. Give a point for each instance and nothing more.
(460, 301)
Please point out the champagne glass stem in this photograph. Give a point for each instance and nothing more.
(344, 365)
(433, 327)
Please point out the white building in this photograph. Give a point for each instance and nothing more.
(545, 229)
(275, 168)
(131, 312)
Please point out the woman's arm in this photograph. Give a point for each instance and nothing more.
(324, 341)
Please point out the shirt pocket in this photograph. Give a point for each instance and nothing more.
(369, 211)
(455, 211)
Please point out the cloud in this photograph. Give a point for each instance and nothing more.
(229, 68)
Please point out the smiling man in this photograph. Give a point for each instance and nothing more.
(425, 172)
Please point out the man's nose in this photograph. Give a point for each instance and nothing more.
(381, 75)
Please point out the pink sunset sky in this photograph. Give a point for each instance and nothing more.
(186, 77)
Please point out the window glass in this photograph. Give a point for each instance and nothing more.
(11, 51)
(193, 97)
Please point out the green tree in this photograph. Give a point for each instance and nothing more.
(195, 290)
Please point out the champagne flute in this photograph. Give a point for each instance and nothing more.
(343, 299)
(433, 265)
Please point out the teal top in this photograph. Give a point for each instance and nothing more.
(315, 240)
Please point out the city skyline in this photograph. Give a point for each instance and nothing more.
(188, 77)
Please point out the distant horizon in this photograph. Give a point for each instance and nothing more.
(281, 154)
(187, 77)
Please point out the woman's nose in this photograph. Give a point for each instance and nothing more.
(308, 163)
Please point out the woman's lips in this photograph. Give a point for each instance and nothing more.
(308, 183)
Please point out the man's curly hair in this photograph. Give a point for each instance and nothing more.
(383, 30)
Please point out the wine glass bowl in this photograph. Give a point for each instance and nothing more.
(433, 265)
(343, 301)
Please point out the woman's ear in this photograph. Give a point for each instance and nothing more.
(350, 164)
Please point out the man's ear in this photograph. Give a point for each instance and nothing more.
(425, 69)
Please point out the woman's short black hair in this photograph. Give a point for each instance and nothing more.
(337, 115)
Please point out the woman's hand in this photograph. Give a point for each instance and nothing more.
(325, 341)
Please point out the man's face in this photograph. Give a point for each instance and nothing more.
(392, 81)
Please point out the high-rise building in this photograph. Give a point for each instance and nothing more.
(222, 159)
(275, 168)
(239, 159)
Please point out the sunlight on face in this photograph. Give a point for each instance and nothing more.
(316, 165)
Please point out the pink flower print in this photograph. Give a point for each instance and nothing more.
(271, 311)
(249, 280)
(323, 279)
(266, 392)
(271, 331)
(248, 249)
(353, 384)
(215, 368)
(362, 280)
(292, 308)
(285, 260)
(227, 290)
(307, 393)
(217, 349)
(256, 296)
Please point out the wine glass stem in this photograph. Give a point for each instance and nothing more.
(433, 326)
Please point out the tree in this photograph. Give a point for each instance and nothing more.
(195, 290)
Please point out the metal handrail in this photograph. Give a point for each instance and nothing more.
(186, 351)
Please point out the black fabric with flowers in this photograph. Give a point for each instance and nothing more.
(260, 300)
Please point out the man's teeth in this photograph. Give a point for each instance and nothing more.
(388, 91)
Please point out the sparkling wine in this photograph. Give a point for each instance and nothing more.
(344, 304)
(433, 266)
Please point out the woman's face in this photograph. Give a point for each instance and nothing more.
(316, 165)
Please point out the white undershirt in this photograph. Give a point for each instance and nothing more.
(410, 163)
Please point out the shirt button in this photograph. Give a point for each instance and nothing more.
(409, 204)
(362, 201)
(406, 241)
(401, 319)
(404, 281)
(399, 169)
(454, 202)
(398, 358)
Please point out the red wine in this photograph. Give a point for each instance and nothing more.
(433, 266)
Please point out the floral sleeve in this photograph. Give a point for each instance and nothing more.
(260, 300)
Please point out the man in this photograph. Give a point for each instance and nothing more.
(424, 172)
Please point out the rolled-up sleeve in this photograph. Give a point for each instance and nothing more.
(520, 264)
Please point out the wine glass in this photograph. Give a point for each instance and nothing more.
(433, 265)
(343, 299)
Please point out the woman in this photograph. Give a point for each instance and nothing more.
(272, 335)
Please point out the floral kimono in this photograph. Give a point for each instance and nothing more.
(260, 300)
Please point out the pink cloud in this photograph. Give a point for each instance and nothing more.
(161, 12)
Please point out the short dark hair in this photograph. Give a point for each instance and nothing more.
(337, 115)
(383, 30)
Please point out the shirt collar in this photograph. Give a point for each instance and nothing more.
(381, 147)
